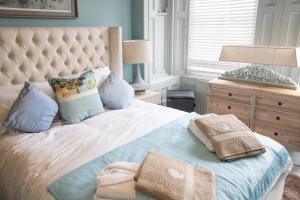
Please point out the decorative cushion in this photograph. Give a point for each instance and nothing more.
(33, 111)
(78, 98)
(116, 93)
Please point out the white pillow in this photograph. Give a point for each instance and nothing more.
(101, 74)
(199, 134)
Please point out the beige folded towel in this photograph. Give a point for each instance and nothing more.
(168, 179)
(230, 137)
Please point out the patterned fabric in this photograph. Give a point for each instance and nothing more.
(33, 111)
(77, 98)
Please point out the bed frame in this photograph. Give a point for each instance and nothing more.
(36, 54)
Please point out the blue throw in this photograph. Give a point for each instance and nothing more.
(248, 178)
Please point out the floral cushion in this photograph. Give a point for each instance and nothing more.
(78, 98)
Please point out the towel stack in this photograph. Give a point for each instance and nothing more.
(226, 135)
(160, 176)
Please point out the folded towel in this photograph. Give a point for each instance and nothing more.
(231, 138)
(116, 181)
(168, 179)
(199, 134)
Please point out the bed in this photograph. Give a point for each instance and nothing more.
(29, 163)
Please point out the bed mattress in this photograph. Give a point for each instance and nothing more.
(31, 162)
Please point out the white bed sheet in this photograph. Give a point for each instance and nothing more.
(30, 162)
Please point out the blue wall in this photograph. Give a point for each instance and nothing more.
(91, 13)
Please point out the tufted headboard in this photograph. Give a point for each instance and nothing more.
(36, 54)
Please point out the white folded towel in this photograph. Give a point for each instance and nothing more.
(115, 181)
(199, 134)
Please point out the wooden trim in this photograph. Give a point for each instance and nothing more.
(42, 14)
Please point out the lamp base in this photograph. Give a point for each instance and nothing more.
(258, 74)
(139, 84)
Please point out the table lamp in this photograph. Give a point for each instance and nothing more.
(137, 52)
(260, 57)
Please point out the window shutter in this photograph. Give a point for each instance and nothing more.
(214, 23)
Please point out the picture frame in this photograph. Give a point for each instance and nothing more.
(39, 8)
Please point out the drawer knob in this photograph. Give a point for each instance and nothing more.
(277, 118)
(229, 107)
(230, 94)
(280, 103)
(275, 133)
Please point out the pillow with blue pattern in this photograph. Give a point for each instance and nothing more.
(78, 98)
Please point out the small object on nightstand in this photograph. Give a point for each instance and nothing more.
(181, 99)
(150, 97)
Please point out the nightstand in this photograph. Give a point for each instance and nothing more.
(150, 97)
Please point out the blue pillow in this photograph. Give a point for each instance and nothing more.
(78, 98)
(116, 93)
(32, 112)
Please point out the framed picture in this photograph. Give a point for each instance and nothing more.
(39, 8)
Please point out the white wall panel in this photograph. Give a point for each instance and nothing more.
(289, 35)
(180, 36)
(268, 22)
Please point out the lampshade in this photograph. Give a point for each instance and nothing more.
(136, 51)
(281, 56)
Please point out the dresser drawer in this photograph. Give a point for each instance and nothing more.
(219, 106)
(277, 119)
(274, 103)
(231, 95)
(286, 138)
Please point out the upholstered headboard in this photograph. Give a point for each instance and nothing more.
(36, 54)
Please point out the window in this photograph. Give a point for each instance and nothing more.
(214, 23)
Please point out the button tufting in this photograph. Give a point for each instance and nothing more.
(74, 72)
(65, 38)
(4, 70)
(72, 50)
(31, 79)
(18, 41)
(11, 55)
(47, 76)
(90, 37)
(67, 62)
(22, 68)
(59, 50)
(45, 52)
(52, 63)
(14, 81)
(50, 39)
(78, 38)
(39, 66)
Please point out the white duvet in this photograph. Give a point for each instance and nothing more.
(30, 162)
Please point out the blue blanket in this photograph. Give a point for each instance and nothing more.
(248, 178)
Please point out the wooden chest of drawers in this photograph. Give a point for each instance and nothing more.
(270, 111)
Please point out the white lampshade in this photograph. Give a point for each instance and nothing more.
(136, 51)
(281, 56)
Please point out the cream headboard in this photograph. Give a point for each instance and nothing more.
(36, 54)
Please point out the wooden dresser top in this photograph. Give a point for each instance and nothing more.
(256, 87)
